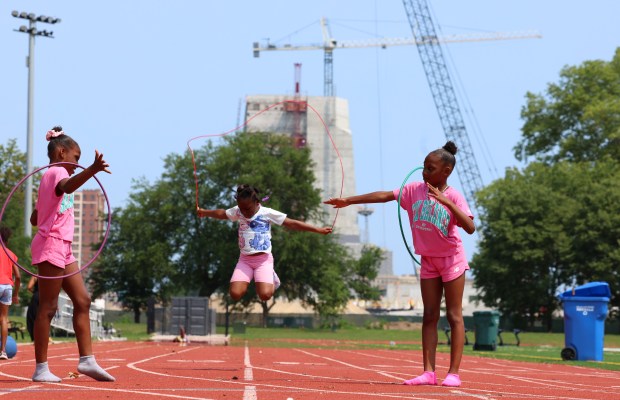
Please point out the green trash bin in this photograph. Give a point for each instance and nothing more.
(486, 329)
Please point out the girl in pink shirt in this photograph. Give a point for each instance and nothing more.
(436, 211)
(51, 253)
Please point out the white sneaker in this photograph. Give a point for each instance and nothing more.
(3, 356)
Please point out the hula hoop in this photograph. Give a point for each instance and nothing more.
(105, 237)
(400, 223)
(250, 119)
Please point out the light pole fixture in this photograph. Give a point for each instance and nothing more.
(32, 31)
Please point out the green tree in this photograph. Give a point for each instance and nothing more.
(137, 263)
(556, 222)
(578, 118)
(13, 169)
(545, 227)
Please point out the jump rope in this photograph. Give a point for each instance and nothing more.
(109, 222)
(246, 123)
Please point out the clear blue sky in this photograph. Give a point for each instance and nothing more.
(137, 79)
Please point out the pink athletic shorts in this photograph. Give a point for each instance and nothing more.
(53, 250)
(259, 267)
(449, 268)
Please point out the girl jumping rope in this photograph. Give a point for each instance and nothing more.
(256, 260)
(435, 211)
(51, 253)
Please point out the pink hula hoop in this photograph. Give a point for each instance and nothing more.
(105, 236)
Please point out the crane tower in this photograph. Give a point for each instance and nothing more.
(428, 44)
(443, 93)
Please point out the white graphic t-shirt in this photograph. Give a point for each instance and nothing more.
(255, 232)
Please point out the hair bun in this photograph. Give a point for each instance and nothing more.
(450, 147)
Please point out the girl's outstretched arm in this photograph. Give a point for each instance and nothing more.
(304, 226)
(374, 197)
(72, 184)
(219, 213)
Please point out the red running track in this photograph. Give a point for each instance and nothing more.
(147, 370)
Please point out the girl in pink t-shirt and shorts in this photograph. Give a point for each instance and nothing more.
(51, 253)
(435, 211)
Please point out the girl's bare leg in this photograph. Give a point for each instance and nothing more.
(454, 312)
(432, 291)
(49, 289)
(76, 290)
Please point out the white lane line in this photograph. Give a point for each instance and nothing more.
(11, 391)
(383, 373)
(249, 393)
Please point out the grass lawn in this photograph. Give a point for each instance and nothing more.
(535, 347)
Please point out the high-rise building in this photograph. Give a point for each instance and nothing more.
(296, 116)
(90, 219)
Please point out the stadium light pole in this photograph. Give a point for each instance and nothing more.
(32, 31)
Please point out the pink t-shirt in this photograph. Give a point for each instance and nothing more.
(6, 266)
(55, 213)
(434, 227)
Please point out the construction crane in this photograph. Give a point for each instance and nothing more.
(330, 44)
(444, 95)
(429, 47)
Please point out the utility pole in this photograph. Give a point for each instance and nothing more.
(32, 31)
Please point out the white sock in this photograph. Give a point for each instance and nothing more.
(89, 367)
(42, 374)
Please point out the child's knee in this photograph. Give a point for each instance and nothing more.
(47, 313)
(235, 293)
(264, 296)
(82, 304)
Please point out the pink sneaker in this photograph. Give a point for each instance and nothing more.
(427, 378)
(451, 380)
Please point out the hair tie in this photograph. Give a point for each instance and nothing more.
(53, 134)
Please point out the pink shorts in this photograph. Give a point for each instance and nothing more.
(259, 267)
(53, 250)
(449, 268)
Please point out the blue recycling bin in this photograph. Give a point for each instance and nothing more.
(585, 311)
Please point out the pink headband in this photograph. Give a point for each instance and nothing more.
(52, 134)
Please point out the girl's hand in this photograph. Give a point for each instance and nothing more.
(325, 231)
(436, 194)
(201, 212)
(337, 202)
(100, 164)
